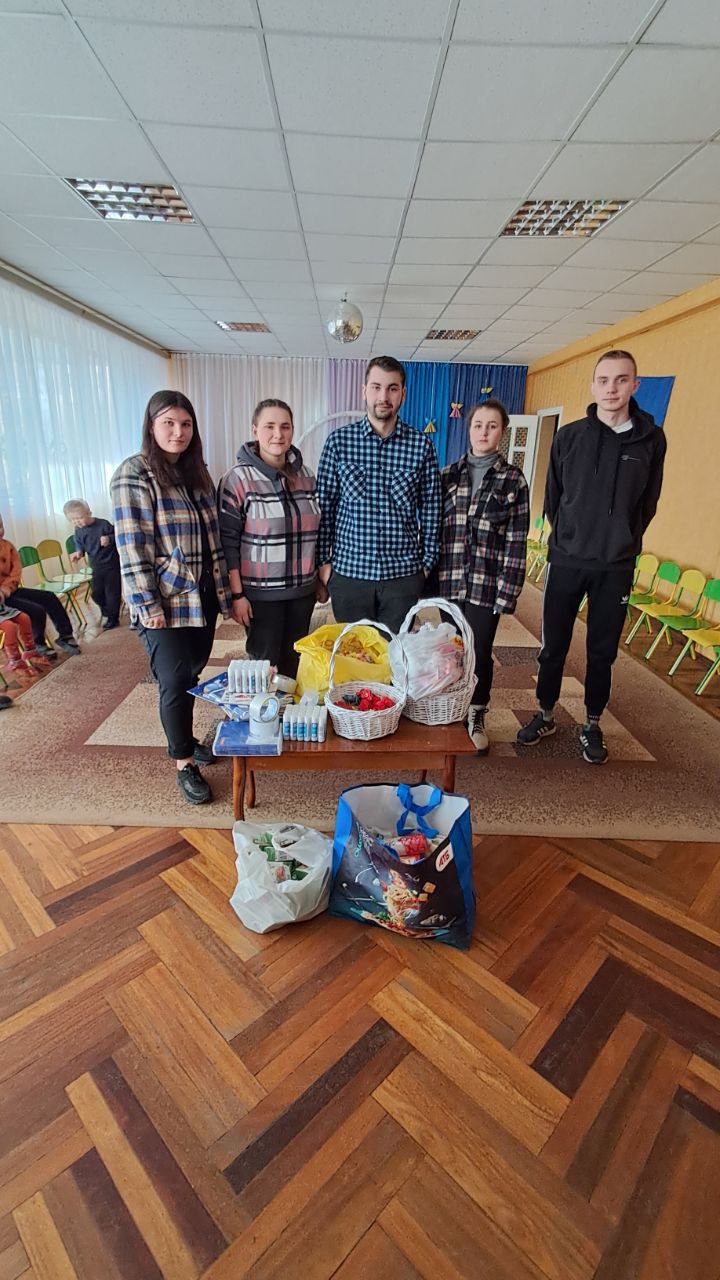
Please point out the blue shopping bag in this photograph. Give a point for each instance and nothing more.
(432, 898)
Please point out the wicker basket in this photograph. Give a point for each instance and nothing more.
(453, 703)
(364, 725)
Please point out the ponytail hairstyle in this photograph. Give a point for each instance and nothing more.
(190, 471)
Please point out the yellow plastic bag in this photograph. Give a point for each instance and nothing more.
(363, 657)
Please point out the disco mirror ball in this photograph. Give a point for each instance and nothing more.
(345, 322)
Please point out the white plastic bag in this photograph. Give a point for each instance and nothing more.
(434, 655)
(258, 900)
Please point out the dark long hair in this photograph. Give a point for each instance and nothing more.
(190, 470)
(492, 403)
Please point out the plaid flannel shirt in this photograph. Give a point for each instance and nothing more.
(158, 538)
(482, 559)
(380, 502)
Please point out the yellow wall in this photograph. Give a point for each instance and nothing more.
(681, 337)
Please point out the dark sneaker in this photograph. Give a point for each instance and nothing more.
(476, 729)
(46, 651)
(110, 624)
(203, 754)
(536, 729)
(69, 645)
(192, 784)
(5, 702)
(593, 744)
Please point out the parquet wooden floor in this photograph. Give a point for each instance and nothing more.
(184, 1099)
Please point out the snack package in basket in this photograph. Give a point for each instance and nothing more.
(402, 859)
(363, 657)
(434, 657)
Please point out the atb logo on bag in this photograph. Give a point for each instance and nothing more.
(444, 857)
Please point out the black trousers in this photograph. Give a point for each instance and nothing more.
(39, 605)
(483, 624)
(386, 601)
(274, 628)
(607, 593)
(106, 590)
(177, 656)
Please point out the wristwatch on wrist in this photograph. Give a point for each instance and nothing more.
(237, 595)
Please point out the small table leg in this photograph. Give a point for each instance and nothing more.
(250, 789)
(448, 777)
(238, 787)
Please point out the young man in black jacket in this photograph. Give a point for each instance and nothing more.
(602, 491)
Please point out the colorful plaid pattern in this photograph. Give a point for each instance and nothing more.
(158, 538)
(483, 553)
(380, 502)
(269, 526)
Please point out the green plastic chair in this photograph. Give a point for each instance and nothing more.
(50, 549)
(695, 627)
(668, 572)
(703, 638)
(688, 606)
(30, 558)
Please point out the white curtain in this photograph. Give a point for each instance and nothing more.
(224, 391)
(72, 399)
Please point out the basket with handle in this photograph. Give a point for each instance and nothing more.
(453, 703)
(365, 725)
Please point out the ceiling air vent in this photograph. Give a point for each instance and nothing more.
(132, 201)
(241, 326)
(451, 335)
(562, 217)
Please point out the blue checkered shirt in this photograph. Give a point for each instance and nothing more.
(380, 502)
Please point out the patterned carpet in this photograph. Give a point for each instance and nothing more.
(86, 746)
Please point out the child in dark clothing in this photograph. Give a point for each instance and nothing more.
(95, 538)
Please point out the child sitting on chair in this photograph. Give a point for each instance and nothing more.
(95, 538)
(16, 625)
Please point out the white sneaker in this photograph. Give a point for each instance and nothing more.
(476, 729)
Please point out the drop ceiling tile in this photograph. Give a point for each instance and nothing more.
(562, 22)
(457, 217)
(245, 210)
(669, 282)
(593, 278)
(420, 293)
(525, 80)
(489, 295)
(31, 6)
(637, 105)
(278, 289)
(699, 259)
(190, 266)
(351, 272)
(414, 273)
(519, 251)
(442, 350)
(311, 75)
(77, 233)
(279, 245)
(697, 179)
(399, 337)
(47, 69)
(38, 259)
(404, 324)
(681, 23)
(361, 293)
(244, 158)
(231, 12)
(340, 166)
(633, 255)
(598, 170)
(14, 157)
(436, 249)
(663, 220)
(466, 317)
(638, 301)
(269, 269)
(407, 310)
(339, 248)
(158, 237)
(220, 71)
(37, 193)
(100, 149)
(351, 215)
(481, 170)
(212, 289)
(233, 310)
(539, 314)
(568, 298)
(508, 277)
(112, 262)
(710, 237)
(424, 18)
(302, 308)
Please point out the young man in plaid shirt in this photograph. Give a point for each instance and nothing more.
(379, 492)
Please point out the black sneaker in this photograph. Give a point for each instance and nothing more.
(69, 645)
(5, 702)
(47, 651)
(476, 729)
(192, 784)
(593, 744)
(203, 754)
(536, 729)
(110, 624)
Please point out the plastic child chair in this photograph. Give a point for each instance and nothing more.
(668, 572)
(689, 605)
(30, 558)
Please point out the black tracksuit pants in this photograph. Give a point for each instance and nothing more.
(106, 589)
(483, 624)
(607, 592)
(177, 656)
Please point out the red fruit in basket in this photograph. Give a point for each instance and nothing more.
(365, 705)
(365, 693)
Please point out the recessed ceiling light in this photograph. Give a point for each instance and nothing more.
(242, 326)
(562, 217)
(132, 201)
(451, 335)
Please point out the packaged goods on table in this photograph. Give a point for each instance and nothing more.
(363, 657)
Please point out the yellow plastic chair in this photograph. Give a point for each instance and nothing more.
(690, 602)
(50, 549)
(668, 575)
(699, 633)
(537, 560)
(30, 558)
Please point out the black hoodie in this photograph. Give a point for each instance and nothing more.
(602, 489)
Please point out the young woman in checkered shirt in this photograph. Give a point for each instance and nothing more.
(486, 516)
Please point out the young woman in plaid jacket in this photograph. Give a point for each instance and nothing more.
(486, 516)
(174, 575)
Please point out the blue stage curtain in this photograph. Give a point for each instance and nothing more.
(653, 395)
(433, 389)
